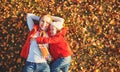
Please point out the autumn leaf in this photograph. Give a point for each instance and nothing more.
(19, 25)
(112, 22)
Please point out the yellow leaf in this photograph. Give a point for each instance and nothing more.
(112, 21)
(90, 52)
(97, 70)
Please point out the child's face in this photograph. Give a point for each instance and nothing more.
(44, 22)
(53, 30)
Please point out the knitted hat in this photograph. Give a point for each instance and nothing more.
(58, 26)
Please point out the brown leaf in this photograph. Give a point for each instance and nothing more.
(19, 60)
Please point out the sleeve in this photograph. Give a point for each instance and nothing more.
(57, 20)
(63, 31)
(50, 40)
(30, 18)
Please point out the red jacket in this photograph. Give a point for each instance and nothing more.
(25, 49)
(58, 45)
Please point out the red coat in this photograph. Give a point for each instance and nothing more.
(58, 45)
(25, 49)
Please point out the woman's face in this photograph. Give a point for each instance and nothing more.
(53, 30)
(44, 22)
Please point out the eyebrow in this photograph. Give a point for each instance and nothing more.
(46, 21)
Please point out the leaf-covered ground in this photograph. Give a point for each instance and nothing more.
(93, 35)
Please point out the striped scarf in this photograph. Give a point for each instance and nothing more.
(43, 49)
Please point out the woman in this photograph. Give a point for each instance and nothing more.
(35, 62)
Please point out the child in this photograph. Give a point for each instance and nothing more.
(59, 49)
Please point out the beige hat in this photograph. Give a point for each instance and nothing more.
(58, 26)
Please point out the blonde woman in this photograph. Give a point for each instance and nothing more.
(35, 62)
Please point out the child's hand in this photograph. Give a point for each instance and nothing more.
(33, 38)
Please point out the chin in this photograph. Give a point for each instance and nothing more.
(52, 34)
(43, 28)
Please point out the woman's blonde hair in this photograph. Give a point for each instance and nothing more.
(48, 15)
